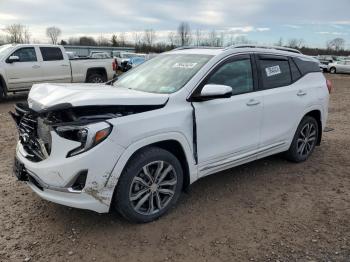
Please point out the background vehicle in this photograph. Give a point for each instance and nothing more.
(72, 55)
(152, 135)
(339, 67)
(22, 65)
(100, 55)
(134, 62)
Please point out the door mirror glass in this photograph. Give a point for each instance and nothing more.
(212, 91)
(13, 59)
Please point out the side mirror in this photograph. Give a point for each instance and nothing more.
(12, 59)
(211, 91)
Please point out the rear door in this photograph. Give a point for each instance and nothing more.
(56, 67)
(24, 73)
(284, 100)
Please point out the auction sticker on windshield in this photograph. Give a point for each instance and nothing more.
(185, 65)
(273, 70)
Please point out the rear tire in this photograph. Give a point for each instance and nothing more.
(333, 70)
(304, 141)
(149, 186)
(96, 78)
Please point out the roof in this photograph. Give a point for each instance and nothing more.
(236, 49)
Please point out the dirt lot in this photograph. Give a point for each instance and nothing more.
(269, 210)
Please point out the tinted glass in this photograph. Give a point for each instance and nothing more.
(306, 66)
(236, 74)
(295, 71)
(163, 74)
(51, 53)
(275, 73)
(26, 54)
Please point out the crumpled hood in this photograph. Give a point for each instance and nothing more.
(43, 97)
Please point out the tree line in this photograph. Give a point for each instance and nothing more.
(147, 41)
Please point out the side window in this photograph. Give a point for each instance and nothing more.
(51, 53)
(26, 54)
(295, 71)
(275, 73)
(236, 74)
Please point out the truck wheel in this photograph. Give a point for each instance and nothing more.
(96, 78)
(333, 70)
(149, 186)
(3, 93)
(304, 141)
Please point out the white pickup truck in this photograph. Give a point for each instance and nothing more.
(22, 65)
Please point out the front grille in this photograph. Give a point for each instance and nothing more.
(33, 133)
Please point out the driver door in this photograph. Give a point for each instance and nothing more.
(25, 72)
(228, 129)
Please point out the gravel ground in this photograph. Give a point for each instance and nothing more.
(268, 210)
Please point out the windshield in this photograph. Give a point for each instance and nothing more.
(4, 49)
(164, 73)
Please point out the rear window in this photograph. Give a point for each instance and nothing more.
(275, 73)
(51, 53)
(306, 66)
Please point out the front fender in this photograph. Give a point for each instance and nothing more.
(130, 150)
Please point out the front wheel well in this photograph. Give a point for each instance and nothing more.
(177, 150)
(317, 115)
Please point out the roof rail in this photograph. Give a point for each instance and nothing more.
(195, 47)
(280, 48)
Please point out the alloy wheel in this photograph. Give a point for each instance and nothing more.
(307, 139)
(153, 188)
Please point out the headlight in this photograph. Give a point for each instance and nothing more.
(89, 135)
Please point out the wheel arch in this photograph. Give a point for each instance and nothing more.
(98, 70)
(316, 113)
(3, 85)
(174, 142)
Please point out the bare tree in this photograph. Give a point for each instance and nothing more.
(137, 38)
(102, 41)
(336, 44)
(17, 33)
(53, 33)
(149, 37)
(296, 43)
(184, 33)
(279, 42)
(213, 38)
(199, 36)
(122, 38)
(172, 38)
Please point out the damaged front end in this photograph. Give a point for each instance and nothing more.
(84, 124)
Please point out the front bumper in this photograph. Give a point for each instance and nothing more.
(53, 177)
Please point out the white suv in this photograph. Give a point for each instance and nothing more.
(186, 114)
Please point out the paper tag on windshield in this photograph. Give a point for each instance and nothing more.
(273, 70)
(185, 65)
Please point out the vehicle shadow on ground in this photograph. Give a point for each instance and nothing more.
(200, 195)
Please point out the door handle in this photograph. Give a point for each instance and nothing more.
(64, 65)
(35, 66)
(301, 93)
(253, 102)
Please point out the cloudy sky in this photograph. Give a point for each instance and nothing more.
(264, 21)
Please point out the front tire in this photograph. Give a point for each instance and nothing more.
(149, 186)
(333, 70)
(304, 141)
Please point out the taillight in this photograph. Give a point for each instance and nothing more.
(114, 65)
(329, 85)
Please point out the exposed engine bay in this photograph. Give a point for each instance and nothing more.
(35, 127)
